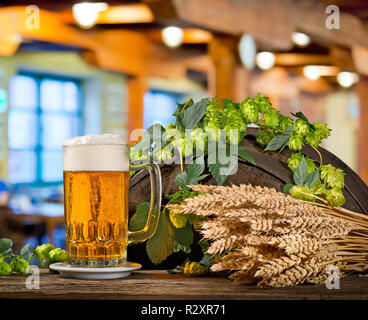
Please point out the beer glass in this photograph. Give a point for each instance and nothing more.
(96, 194)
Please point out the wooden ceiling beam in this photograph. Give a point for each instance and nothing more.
(271, 22)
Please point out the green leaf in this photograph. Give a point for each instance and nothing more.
(300, 115)
(24, 250)
(217, 169)
(139, 219)
(278, 142)
(161, 245)
(312, 179)
(178, 247)
(5, 245)
(196, 168)
(246, 156)
(182, 106)
(301, 173)
(204, 244)
(184, 236)
(181, 179)
(207, 260)
(287, 187)
(189, 117)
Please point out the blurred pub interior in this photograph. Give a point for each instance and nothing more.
(69, 68)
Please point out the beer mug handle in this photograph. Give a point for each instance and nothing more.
(155, 204)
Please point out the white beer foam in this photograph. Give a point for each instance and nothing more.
(105, 152)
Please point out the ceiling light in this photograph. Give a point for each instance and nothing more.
(172, 36)
(247, 51)
(265, 60)
(86, 13)
(347, 79)
(300, 39)
(312, 72)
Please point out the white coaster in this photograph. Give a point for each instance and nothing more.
(94, 273)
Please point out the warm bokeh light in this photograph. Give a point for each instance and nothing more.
(347, 79)
(312, 72)
(87, 13)
(128, 13)
(300, 39)
(172, 36)
(265, 60)
(247, 51)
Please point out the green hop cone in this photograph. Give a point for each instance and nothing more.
(164, 154)
(334, 177)
(294, 161)
(214, 114)
(264, 106)
(213, 132)
(272, 119)
(249, 110)
(296, 158)
(184, 145)
(301, 127)
(199, 138)
(20, 265)
(313, 138)
(42, 252)
(319, 189)
(264, 137)
(295, 142)
(322, 130)
(193, 269)
(285, 123)
(297, 192)
(178, 220)
(335, 197)
(5, 269)
(58, 255)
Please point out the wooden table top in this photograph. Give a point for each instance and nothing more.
(159, 285)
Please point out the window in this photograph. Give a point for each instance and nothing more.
(159, 107)
(44, 111)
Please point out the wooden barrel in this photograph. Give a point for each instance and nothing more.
(271, 170)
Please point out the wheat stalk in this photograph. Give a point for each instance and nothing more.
(272, 239)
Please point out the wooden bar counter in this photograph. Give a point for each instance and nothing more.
(159, 285)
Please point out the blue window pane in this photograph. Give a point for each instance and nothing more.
(159, 107)
(22, 129)
(22, 166)
(56, 128)
(23, 92)
(70, 97)
(51, 95)
(52, 166)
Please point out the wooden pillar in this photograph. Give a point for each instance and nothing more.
(362, 90)
(227, 78)
(137, 87)
(221, 80)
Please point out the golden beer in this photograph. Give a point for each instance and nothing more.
(96, 213)
(96, 186)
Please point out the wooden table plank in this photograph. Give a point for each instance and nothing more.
(159, 285)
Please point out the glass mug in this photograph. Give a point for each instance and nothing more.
(96, 195)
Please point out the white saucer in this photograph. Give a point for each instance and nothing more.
(94, 273)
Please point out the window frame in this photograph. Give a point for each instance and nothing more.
(39, 77)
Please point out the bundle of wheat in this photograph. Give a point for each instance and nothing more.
(272, 239)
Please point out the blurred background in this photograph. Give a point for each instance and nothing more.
(71, 68)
